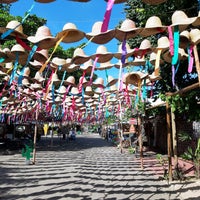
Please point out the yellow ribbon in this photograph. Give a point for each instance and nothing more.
(157, 63)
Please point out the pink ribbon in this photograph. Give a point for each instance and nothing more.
(171, 40)
(191, 59)
(93, 67)
(107, 15)
(81, 81)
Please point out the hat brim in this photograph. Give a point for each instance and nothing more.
(78, 60)
(153, 31)
(102, 57)
(121, 35)
(72, 35)
(43, 42)
(14, 33)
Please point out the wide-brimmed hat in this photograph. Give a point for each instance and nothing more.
(153, 26)
(70, 33)
(167, 57)
(134, 78)
(154, 2)
(74, 91)
(145, 48)
(127, 30)
(16, 27)
(105, 65)
(152, 58)
(36, 64)
(111, 81)
(83, 81)
(152, 77)
(99, 82)
(57, 62)
(103, 54)
(129, 51)
(73, 67)
(79, 56)
(70, 81)
(43, 37)
(195, 36)
(99, 37)
(68, 62)
(55, 80)
(87, 66)
(89, 91)
(139, 61)
(180, 19)
(38, 77)
(184, 39)
(41, 55)
(61, 90)
(119, 64)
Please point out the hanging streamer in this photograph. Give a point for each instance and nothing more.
(190, 58)
(176, 45)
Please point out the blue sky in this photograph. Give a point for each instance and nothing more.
(83, 15)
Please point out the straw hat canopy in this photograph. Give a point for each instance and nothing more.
(135, 78)
(184, 39)
(70, 33)
(103, 54)
(127, 30)
(180, 19)
(79, 56)
(153, 26)
(43, 37)
(111, 81)
(70, 81)
(41, 55)
(154, 2)
(99, 82)
(105, 65)
(129, 52)
(195, 36)
(16, 26)
(181, 55)
(99, 37)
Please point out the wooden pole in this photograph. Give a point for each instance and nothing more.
(169, 142)
(140, 141)
(35, 137)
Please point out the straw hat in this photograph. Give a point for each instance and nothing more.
(72, 68)
(184, 39)
(68, 62)
(153, 26)
(43, 37)
(74, 91)
(38, 77)
(129, 51)
(57, 62)
(182, 55)
(163, 43)
(84, 81)
(41, 55)
(61, 90)
(16, 27)
(36, 64)
(103, 54)
(180, 19)
(145, 48)
(120, 64)
(139, 61)
(89, 91)
(195, 36)
(70, 81)
(36, 86)
(79, 56)
(154, 2)
(55, 79)
(152, 58)
(154, 77)
(111, 81)
(99, 37)
(70, 33)
(99, 82)
(197, 21)
(105, 65)
(134, 78)
(87, 66)
(127, 30)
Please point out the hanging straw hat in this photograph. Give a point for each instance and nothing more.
(111, 81)
(70, 81)
(55, 80)
(99, 37)
(74, 91)
(184, 39)
(70, 33)
(153, 77)
(38, 77)
(43, 37)
(84, 81)
(61, 90)
(195, 36)
(87, 66)
(152, 58)
(180, 19)
(153, 26)
(129, 52)
(182, 55)
(68, 62)
(197, 21)
(73, 67)
(139, 61)
(41, 55)
(105, 65)
(103, 54)
(99, 82)
(154, 2)
(134, 78)
(36, 64)
(89, 91)
(120, 64)
(79, 56)
(145, 48)
(16, 27)
(57, 62)
(127, 30)
(162, 43)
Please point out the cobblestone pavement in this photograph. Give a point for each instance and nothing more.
(88, 168)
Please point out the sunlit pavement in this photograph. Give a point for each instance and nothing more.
(87, 168)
